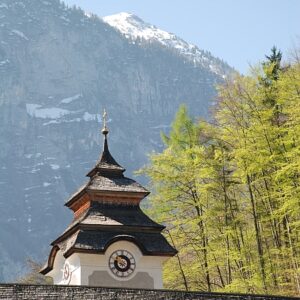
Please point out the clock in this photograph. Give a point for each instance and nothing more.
(122, 263)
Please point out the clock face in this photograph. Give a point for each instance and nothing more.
(122, 263)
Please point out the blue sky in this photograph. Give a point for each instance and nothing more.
(239, 31)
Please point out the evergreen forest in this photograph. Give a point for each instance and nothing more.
(228, 188)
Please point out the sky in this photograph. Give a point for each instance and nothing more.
(240, 32)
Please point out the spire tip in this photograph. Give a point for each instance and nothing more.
(104, 129)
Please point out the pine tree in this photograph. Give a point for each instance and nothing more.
(275, 61)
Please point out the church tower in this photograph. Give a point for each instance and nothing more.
(110, 241)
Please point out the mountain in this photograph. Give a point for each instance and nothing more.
(135, 29)
(59, 67)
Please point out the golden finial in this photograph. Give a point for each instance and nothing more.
(104, 118)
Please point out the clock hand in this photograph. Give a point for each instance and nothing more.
(120, 261)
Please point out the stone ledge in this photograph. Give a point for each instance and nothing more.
(59, 292)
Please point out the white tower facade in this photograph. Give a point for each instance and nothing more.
(101, 270)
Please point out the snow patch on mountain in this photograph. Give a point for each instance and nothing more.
(54, 166)
(71, 99)
(133, 28)
(36, 110)
(91, 117)
(4, 62)
(20, 34)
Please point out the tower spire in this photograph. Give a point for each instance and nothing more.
(105, 131)
(106, 164)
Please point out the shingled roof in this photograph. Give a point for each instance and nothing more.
(107, 176)
(95, 241)
(104, 184)
(115, 215)
(106, 162)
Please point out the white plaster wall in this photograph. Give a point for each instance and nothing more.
(75, 269)
(57, 273)
(82, 265)
(97, 262)
(58, 269)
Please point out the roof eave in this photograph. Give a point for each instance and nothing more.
(142, 194)
(73, 250)
(46, 270)
(113, 170)
(79, 226)
(76, 196)
(49, 266)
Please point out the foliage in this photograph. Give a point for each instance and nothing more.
(229, 191)
(33, 276)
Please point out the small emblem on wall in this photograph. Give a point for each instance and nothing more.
(67, 274)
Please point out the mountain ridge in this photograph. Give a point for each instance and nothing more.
(134, 28)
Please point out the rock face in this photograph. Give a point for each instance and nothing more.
(58, 69)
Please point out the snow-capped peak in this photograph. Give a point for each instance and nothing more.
(133, 28)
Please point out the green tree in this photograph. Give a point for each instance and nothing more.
(229, 191)
(194, 196)
(254, 117)
(33, 275)
(274, 60)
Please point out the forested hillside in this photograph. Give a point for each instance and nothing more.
(229, 190)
